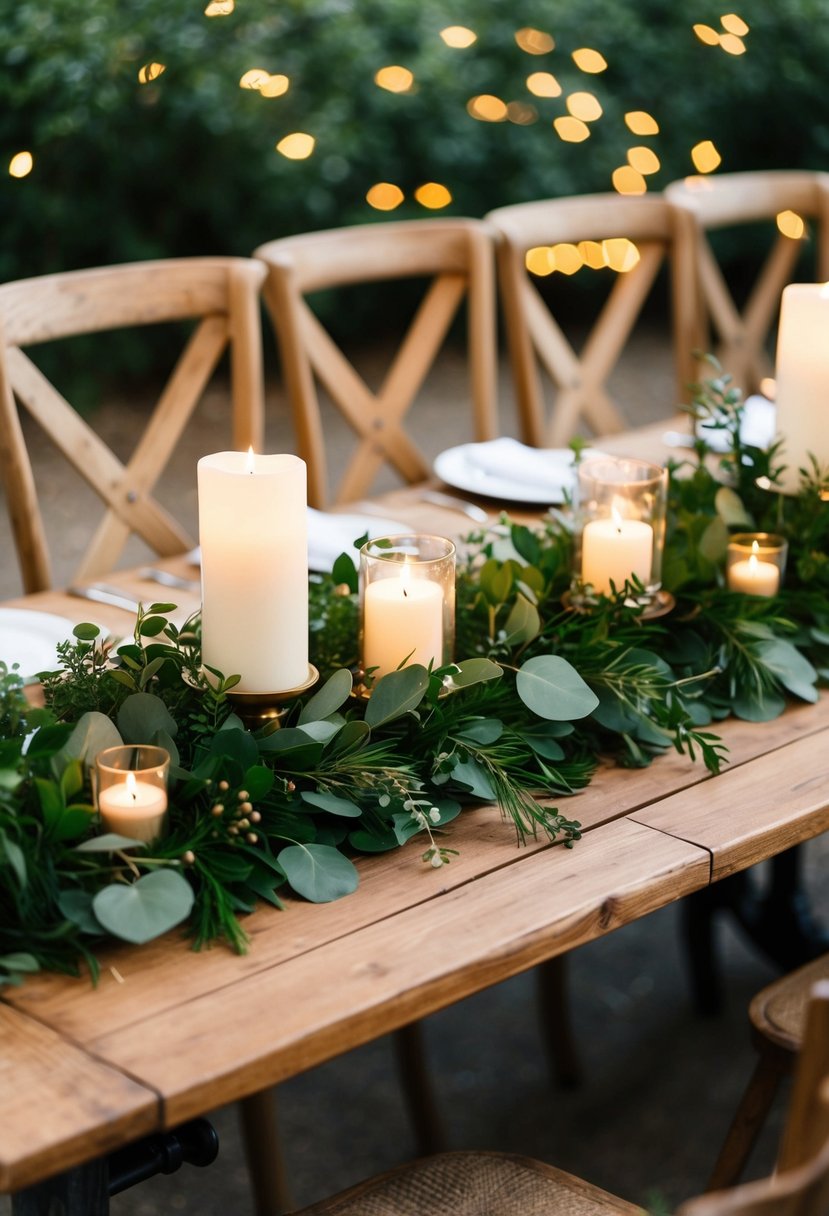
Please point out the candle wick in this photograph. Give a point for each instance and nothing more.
(405, 593)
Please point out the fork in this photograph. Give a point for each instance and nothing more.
(165, 579)
(453, 503)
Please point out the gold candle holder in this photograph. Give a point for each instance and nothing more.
(756, 563)
(261, 709)
(131, 790)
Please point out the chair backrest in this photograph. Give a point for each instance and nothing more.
(741, 335)
(800, 1187)
(222, 294)
(536, 337)
(456, 254)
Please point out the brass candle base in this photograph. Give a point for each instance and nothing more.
(260, 709)
(660, 604)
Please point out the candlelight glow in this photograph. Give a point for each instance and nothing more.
(539, 261)
(130, 784)
(219, 8)
(566, 258)
(535, 42)
(433, 195)
(620, 254)
(791, 225)
(732, 45)
(254, 78)
(522, 115)
(627, 180)
(395, 79)
(296, 146)
(384, 196)
(458, 36)
(571, 130)
(588, 60)
(592, 254)
(707, 35)
(641, 123)
(585, 106)
(643, 160)
(21, 164)
(487, 108)
(149, 72)
(543, 84)
(768, 387)
(705, 156)
(734, 24)
(250, 463)
(274, 86)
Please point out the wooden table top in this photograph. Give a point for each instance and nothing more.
(170, 1033)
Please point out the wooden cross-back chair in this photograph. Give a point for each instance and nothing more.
(740, 335)
(456, 254)
(470, 1183)
(536, 337)
(221, 294)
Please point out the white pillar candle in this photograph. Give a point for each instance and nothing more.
(403, 616)
(613, 550)
(254, 562)
(133, 808)
(753, 576)
(803, 379)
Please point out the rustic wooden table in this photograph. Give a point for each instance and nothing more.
(169, 1034)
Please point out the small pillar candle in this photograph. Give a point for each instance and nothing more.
(613, 550)
(755, 563)
(132, 790)
(254, 563)
(802, 374)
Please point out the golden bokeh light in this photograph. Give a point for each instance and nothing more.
(620, 254)
(219, 8)
(296, 146)
(791, 224)
(543, 84)
(254, 78)
(734, 24)
(150, 72)
(768, 387)
(571, 130)
(21, 164)
(535, 42)
(274, 86)
(588, 60)
(566, 258)
(639, 122)
(592, 254)
(732, 45)
(627, 180)
(433, 195)
(384, 196)
(539, 260)
(394, 79)
(458, 36)
(585, 106)
(644, 160)
(487, 108)
(705, 156)
(707, 35)
(522, 114)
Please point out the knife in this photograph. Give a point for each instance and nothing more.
(100, 594)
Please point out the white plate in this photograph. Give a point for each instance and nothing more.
(30, 639)
(757, 429)
(510, 471)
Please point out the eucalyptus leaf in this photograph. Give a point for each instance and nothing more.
(19, 960)
(16, 859)
(92, 733)
(791, 668)
(327, 700)
(353, 736)
(523, 623)
(475, 671)
(731, 509)
(713, 544)
(77, 907)
(372, 842)
(238, 745)
(396, 694)
(109, 842)
(475, 778)
(141, 715)
(86, 632)
(552, 688)
(140, 911)
(484, 731)
(318, 872)
(332, 803)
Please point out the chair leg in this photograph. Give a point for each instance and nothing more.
(260, 1138)
(554, 1005)
(413, 1067)
(748, 1121)
(697, 913)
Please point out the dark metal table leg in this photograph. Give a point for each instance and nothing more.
(80, 1192)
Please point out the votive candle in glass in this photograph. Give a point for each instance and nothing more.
(407, 599)
(621, 512)
(131, 790)
(756, 563)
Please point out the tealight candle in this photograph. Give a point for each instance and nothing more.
(254, 565)
(407, 594)
(755, 563)
(132, 790)
(614, 550)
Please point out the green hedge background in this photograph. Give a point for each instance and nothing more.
(188, 165)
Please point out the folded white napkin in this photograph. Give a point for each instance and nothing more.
(758, 427)
(505, 460)
(330, 534)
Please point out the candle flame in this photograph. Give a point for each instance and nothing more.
(616, 516)
(824, 291)
(131, 785)
(250, 464)
(755, 549)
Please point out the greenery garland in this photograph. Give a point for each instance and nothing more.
(541, 693)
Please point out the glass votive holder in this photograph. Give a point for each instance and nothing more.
(756, 562)
(620, 533)
(131, 790)
(407, 602)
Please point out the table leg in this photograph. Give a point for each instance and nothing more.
(80, 1192)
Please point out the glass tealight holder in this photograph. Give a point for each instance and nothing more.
(407, 603)
(620, 532)
(131, 790)
(756, 563)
